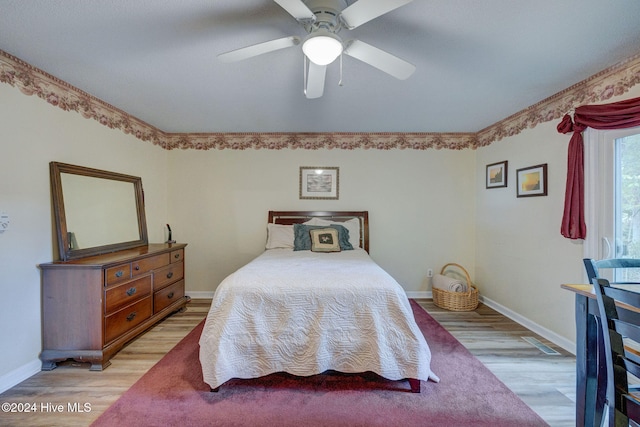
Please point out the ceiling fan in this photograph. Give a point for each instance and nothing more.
(323, 19)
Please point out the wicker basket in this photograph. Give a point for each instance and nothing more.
(456, 301)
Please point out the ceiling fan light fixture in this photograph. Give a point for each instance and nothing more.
(322, 47)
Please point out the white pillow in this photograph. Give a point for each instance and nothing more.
(353, 225)
(279, 236)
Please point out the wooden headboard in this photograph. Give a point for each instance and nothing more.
(298, 217)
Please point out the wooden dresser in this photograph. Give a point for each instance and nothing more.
(91, 307)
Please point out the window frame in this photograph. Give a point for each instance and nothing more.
(599, 173)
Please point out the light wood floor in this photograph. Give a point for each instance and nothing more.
(545, 382)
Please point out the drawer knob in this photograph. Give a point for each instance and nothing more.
(170, 295)
(176, 256)
(131, 316)
(119, 273)
(137, 268)
(170, 275)
(131, 291)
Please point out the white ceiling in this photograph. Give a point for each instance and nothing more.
(477, 61)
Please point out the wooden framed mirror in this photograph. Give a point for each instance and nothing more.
(96, 211)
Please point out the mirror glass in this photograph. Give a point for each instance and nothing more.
(96, 211)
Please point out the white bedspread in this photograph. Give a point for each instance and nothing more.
(304, 313)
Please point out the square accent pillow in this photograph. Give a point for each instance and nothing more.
(353, 225)
(302, 238)
(324, 240)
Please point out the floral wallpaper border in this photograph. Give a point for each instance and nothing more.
(615, 80)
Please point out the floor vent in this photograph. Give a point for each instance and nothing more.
(540, 346)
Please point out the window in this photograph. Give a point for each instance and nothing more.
(612, 194)
(627, 196)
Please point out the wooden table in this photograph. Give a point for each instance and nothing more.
(591, 385)
(591, 377)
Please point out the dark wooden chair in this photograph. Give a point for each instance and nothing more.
(594, 267)
(620, 325)
(597, 269)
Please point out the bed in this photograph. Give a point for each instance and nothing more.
(307, 311)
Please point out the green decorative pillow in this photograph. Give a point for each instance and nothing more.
(324, 240)
(302, 239)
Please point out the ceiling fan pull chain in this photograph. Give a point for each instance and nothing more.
(340, 81)
(304, 71)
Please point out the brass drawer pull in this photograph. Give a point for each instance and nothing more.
(131, 316)
(131, 291)
(171, 295)
(119, 273)
(170, 275)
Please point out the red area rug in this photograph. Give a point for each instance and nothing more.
(173, 393)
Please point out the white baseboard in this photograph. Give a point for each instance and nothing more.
(532, 326)
(527, 323)
(419, 294)
(15, 377)
(200, 294)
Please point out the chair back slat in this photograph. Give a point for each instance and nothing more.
(620, 327)
(628, 330)
(618, 263)
(593, 267)
(623, 295)
(632, 367)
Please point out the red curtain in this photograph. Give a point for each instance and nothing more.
(617, 115)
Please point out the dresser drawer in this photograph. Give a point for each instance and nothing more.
(145, 265)
(177, 256)
(117, 274)
(167, 275)
(121, 321)
(124, 294)
(167, 296)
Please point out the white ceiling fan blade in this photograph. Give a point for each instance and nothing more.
(383, 61)
(315, 80)
(297, 9)
(258, 49)
(365, 10)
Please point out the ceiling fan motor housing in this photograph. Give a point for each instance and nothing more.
(327, 15)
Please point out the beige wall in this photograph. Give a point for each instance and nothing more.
(521, 258)
(33, 134)
(421, 206)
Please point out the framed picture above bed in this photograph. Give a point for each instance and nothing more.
(497, 175)
(319, 182)
(532, 181)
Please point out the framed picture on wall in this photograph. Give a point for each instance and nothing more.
(532, 181)
(497, 175)
(319, 182)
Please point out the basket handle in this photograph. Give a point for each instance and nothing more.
(466, 273)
